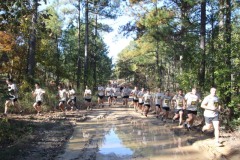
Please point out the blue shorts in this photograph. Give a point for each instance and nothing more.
(209, 120)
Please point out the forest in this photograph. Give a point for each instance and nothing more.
(177, 44)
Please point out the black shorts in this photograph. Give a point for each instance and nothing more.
(166, 108)
(191, 112)
(209, 120)
(147, 105)
(178, 110)
(135, 100)
(157, 105)
(74, 100)
(110, 97)
(61, 101)
(39, 103)
(125, 96)
(88, 100)
(140, 103)
(12, 98)
(101, 97)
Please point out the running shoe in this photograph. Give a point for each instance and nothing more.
(217, 144)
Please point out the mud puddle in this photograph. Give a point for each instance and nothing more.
(141, 139)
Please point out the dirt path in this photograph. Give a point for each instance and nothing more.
(120, 133)
(114, 133)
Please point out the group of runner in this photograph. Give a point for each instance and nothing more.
(162, 102)
(142, 100)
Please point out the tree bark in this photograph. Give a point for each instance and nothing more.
(86, 45)
(79, 61)
(32, 42)
(228, 30)
(202, 44)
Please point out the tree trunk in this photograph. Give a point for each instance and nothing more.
(57, 63)
(212, 51)
(202, 44)
(79, 62)
(32, 42)
(94, 55)
(86, 45)
(228, 50)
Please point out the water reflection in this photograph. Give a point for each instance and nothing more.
(126, 140)
(113, 144)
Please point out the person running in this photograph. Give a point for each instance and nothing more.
(147, 98)
(117, 93)
(38, 94)
(140, 100)
(62, 95)
(109, 94)
(125, 95)
(134, 94)
(165, 102)
(88, 98)
(12, 97)
(192, 100)
(72, 97)
(157, 99)
(179, 104)
(211, 106)
(100, 96)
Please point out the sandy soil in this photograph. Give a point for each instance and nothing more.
(53, 132)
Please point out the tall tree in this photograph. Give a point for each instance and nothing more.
(86, 44)
(79, 60)
(202, 44)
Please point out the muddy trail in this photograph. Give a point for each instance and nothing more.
(117, 132)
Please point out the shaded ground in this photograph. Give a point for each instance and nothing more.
(82, 135)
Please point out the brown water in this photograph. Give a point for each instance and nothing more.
(142, 139)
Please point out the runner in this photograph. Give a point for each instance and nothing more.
(62, 95)
(165, 102)
(179, 104)
(192, 100)
(125, 94)
(211, 114)
(109, 94)
(140, 100)
(88, 98)
(38, 93)
(157, 99)
(12, 97)
(100, 96)
(72, 98)
(134, 94)
(147, 98)
(117, 93)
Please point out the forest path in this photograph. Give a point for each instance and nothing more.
(117, 132)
